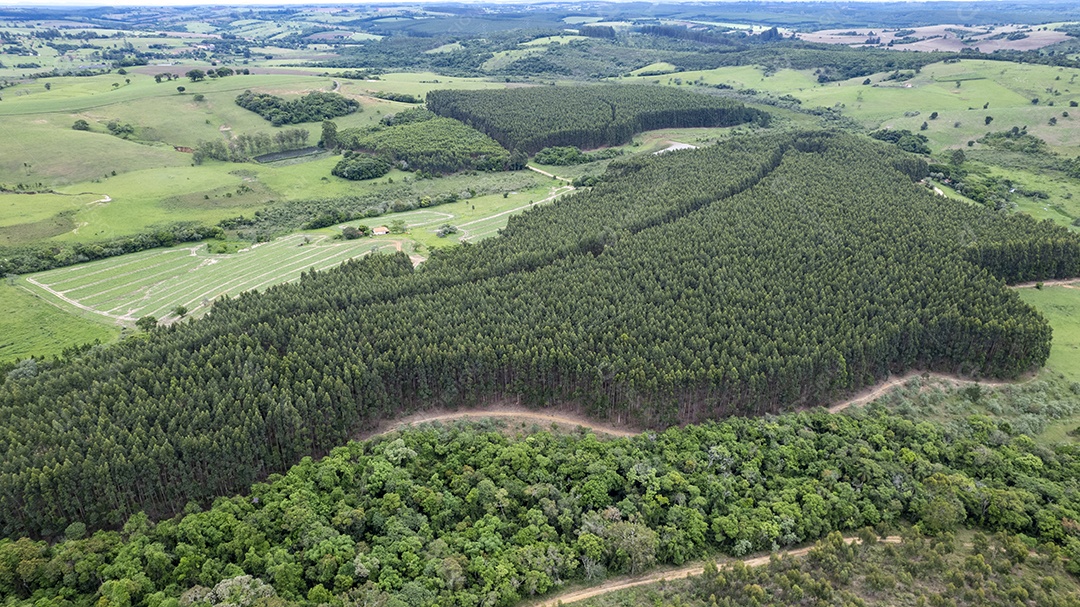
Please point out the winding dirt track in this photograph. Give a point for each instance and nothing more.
(574, 596)
(504, 412)
(514, 412)
(885, 387)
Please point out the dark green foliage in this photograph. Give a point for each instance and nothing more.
(81, 125)
(244, 147)
(1015, 140)
(530, 119)
(423, 142)
(354, 232)
(683, 287)
(313, 107)
(359, 166)
(409, 116)
(456, 515)
(566, 156)
(904, 139)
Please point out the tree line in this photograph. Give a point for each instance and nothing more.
(41, 257)
(530, 119)
(683, 287)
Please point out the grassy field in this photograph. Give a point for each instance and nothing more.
(1061, 306)
(1007, 88)
(79, 304)
(476, 218)
(31, 326)
(155, 282)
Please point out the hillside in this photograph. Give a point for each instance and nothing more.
(467, 515)
(532, 119)
(671, 292)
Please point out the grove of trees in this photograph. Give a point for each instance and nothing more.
(312, 107)
(683, 287)
(422, 141)
(530, 119)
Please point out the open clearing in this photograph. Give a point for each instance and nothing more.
(155, 282)
(30, 326)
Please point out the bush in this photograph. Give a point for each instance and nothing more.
(358, 167)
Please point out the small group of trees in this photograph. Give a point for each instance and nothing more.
(358, 166)
(243, 147)
(312, 107)
(916, 143)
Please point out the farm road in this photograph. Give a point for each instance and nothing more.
(676, 574)
(884, 387)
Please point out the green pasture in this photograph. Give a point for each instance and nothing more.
(546, 40)
(1007, 88)
(419, 83)
(502, 59)
(476, 218)
(155, 282)
(72, 94)
(144, 199)
(655, 68)
(1063, 205)
(741, 77)
(33, 326)
(1061, 307)
(44, 149)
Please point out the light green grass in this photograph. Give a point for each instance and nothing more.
(546, 40)
(31, 326)
(662, 67)
(155, 282)
(1061, 307)
(502, 59)
(476, 218)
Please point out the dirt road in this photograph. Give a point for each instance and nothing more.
(552, 175)
(1071, 283)
(514, 412)
(615, 585)
(504, 412)
(885, 387)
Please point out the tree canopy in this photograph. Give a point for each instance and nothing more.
(682, 287)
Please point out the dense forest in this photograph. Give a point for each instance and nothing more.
(683, 287)
(460, 516)
(531, 119)
(939, 571)
(421, 141)
(313, 107)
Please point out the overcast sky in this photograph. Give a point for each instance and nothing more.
(84, 3)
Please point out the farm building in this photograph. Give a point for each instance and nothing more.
(380, 231)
